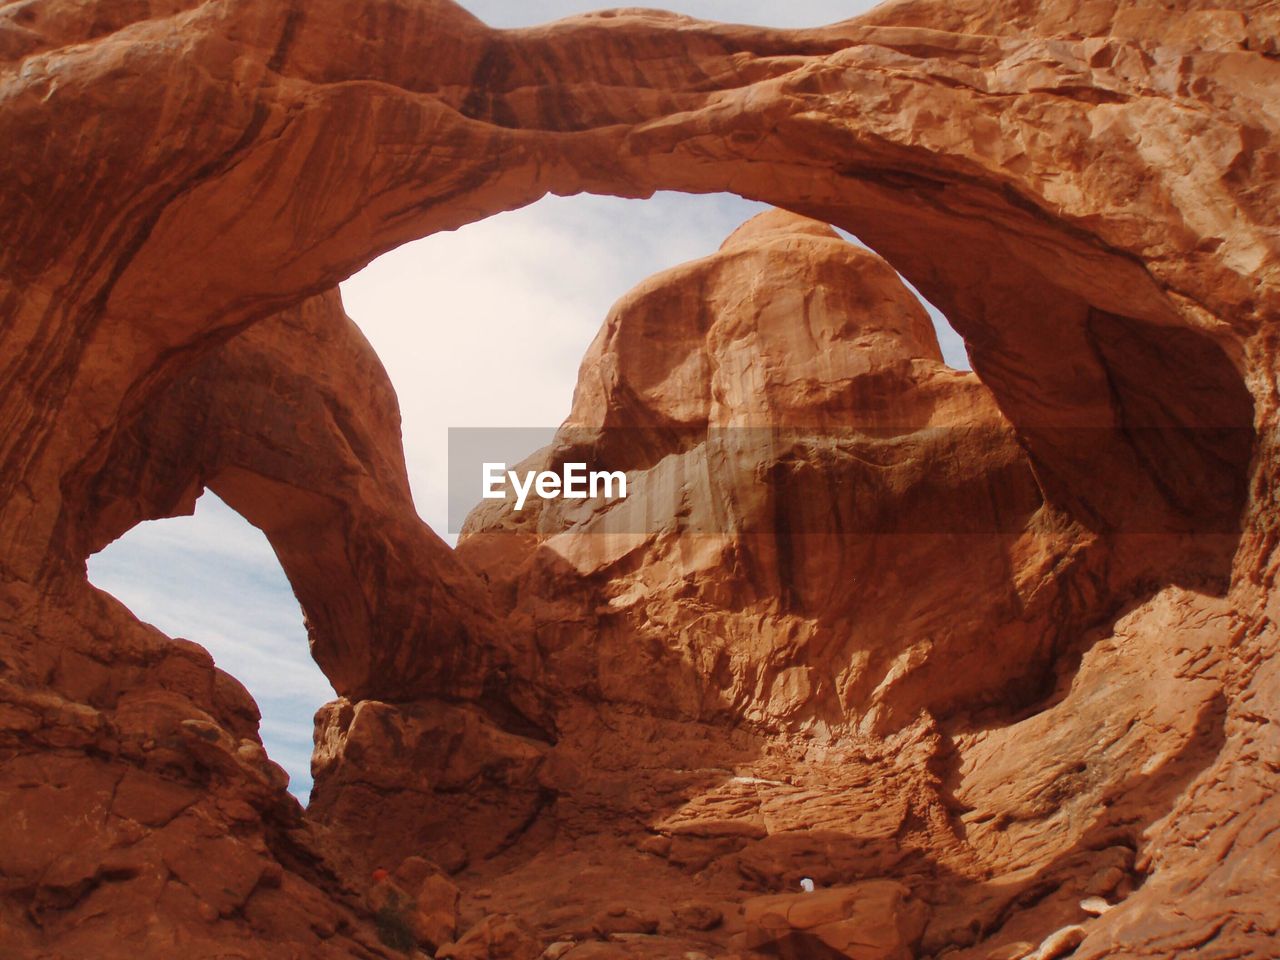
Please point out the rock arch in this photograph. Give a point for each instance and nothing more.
(1084, 191)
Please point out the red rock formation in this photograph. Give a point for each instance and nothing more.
(868, 918)
(797, 451)
(1088, 192)
(268, 422)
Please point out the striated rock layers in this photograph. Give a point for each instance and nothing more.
(985, 656)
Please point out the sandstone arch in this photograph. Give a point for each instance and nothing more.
(1048, 240)
(1086, 191)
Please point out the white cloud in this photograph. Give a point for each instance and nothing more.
(214, 579)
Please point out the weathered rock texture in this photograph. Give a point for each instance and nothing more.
(620, 740)
(797, 452)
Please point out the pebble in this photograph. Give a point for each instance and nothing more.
(1095, 905)
(1060, 942)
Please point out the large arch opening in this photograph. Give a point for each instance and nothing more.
(486, 326)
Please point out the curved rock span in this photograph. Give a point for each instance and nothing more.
(984, 658)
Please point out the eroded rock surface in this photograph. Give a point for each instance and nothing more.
(616, 743)
(797, 451)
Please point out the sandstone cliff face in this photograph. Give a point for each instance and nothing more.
(629, 743)
(796, 452)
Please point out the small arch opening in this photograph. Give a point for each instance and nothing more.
(213, 578)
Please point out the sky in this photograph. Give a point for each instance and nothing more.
(483, 326)
(214, 579)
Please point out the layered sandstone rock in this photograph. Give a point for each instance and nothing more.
(608, 747)
(870, 919)
(796, 451)
(267, 422)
